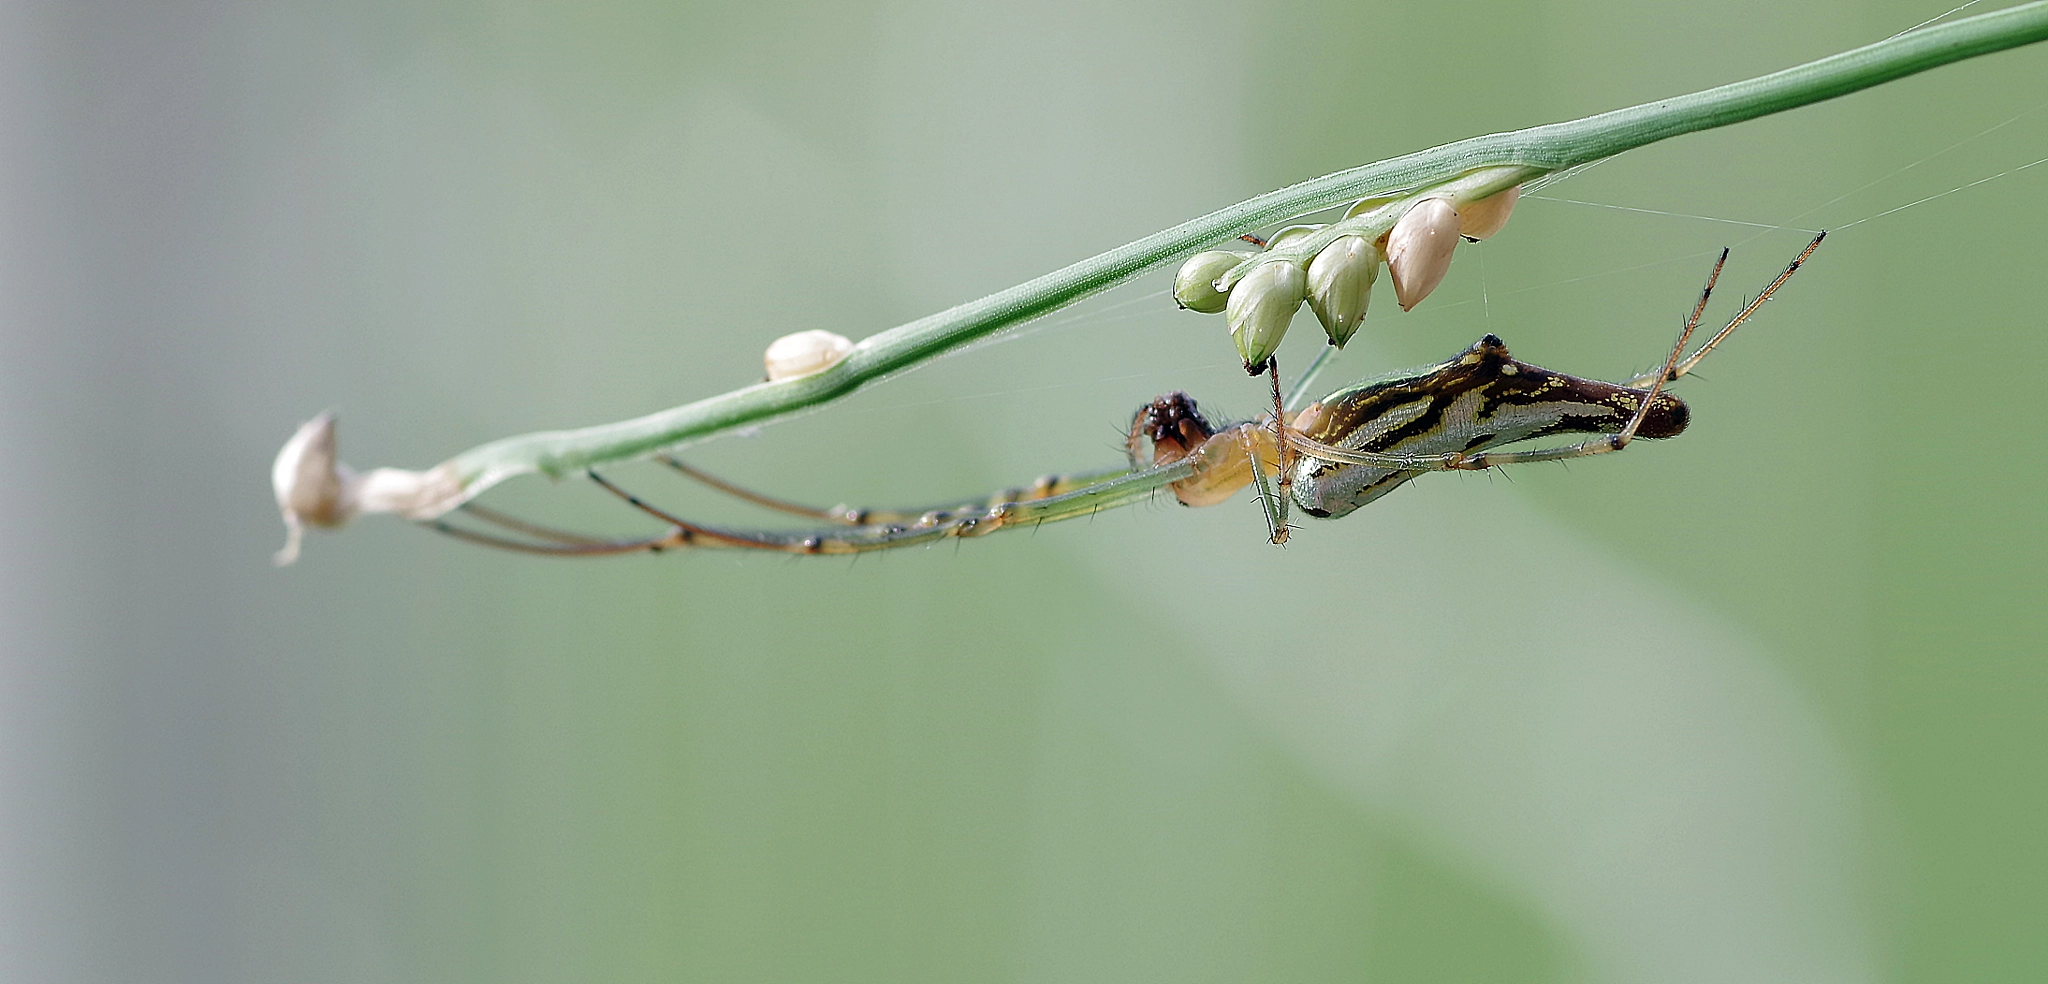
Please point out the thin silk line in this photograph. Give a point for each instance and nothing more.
(1944, 194)
(2022, 114)
(1485, 303)
(1653, 211)
(1931, 20)
(1768, 228)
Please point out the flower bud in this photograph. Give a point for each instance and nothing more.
(1290, 234)
(1419, 250)
(1339, 285)
(1260, 309)
(804, 353)
(1194, 287)
(1483, 218)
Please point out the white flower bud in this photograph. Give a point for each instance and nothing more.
(315, 489)
(804, 353)
(1419, 250)
(1260, 309)
(1194, 287)
(1339, 285)
(1290, 234)
(1483, 218)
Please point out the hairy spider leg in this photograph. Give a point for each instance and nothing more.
(532, 529)
(1276, 516)
(1272, 506)
(1674, 373)
(564, 544)
(846, 515)
(1122, 488)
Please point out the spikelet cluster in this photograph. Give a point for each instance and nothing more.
(1336, 279)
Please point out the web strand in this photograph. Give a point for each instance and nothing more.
(1936, 17)
(1675, 215)
(1944, 194)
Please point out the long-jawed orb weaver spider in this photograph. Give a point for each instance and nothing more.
(1333, 456)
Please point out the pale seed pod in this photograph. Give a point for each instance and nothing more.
(1483, 218)
(1419, 250)
(311, 485)
(1261, 307)
(804, 353)
(1339, 285)
(1194, 287)
(1290, 234)
(315, 489)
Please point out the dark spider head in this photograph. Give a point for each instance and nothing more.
(1173, 425)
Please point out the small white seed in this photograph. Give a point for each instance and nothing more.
(804, 353)
(1340, 284)
(1419, 250)
(1194, 287)
(1261, 307)
(1483, 218)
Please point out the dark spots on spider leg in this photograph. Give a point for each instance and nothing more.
(813, 544)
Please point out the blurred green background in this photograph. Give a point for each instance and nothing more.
(1761, 703)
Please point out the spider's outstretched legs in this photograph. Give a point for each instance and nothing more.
(1117, 489)
(1673, 373)
(844, 515)
(1674, 368)
(553, 542)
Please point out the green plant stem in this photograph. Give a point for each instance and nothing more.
(1552, 147)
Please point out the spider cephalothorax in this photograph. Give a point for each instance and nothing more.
(1174, 426)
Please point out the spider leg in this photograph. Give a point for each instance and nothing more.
(837, 514)
(535, 530)
(1276, 518)
(845, 515)
(1271, 505)
(591, 548)
(1680, 369)
(1117, 489)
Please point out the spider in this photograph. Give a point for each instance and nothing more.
(1332, 457)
